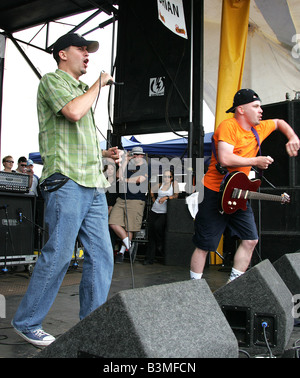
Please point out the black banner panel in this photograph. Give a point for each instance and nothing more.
(279, 225)
(285, 171)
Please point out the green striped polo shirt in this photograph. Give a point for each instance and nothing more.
(70, 148)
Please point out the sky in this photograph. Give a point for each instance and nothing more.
(19, 134)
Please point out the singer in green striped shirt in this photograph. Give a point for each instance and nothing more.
(66, 147)
(75, 207)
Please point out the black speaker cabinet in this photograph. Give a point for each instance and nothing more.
(16, 225)
(41, 229)
(256, 301)
(179, 219)
(177, 320)
(178, 245)
(276, 244)
(285, 171)
(276, 216)
(178, 249)
(278, 224)
(154, 65)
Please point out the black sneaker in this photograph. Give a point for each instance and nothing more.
(119, 258)
(133, 251)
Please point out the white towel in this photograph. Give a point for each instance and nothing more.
(192, 202)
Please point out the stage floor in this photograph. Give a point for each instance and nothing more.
(64, 312)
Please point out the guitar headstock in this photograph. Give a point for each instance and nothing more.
(285, 198)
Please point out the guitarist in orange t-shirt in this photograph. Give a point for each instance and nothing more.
(236, 143)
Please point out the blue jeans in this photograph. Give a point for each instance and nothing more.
(71, 211)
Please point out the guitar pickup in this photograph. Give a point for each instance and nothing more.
(240, 193)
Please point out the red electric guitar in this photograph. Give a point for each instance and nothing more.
(237, 189)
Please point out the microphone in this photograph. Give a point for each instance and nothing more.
(20, 215)
(111, 82)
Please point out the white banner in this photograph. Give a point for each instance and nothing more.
(171, 14)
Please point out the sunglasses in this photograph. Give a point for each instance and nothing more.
(23, 165)
(9, 161)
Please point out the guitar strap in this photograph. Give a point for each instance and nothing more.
(260, 171)
(257, 138)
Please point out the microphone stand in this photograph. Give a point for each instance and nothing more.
(39, 229)
(261, 176)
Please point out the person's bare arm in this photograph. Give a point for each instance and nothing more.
(79, 106)
(228, 159)
(293, 144)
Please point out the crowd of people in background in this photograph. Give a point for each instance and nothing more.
(127, 199)
(126, 205)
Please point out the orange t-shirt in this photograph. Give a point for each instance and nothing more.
(245, 145)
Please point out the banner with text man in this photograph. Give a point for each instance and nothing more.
(171, 14)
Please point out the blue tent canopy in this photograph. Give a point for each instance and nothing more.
(172, 147)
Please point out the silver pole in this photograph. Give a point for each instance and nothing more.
(111, 89)
(192, 61)
(191, 126)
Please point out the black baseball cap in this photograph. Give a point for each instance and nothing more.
(74, 39)
(242, 97)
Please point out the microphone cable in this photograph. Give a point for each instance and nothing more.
(110, 83)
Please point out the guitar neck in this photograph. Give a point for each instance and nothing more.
(246, 194)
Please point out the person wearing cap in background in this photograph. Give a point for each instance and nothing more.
(236, 147)
(72, 184)
(126, 216)
(33, 190)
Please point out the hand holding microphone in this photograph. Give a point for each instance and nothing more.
(111, 82)
(107, 79)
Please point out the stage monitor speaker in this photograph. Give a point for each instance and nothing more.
(16, 224)
(285, 171)
(259, 297)
(288, 267)
(154, 64)
(177, 320)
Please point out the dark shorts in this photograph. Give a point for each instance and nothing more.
(210, 224)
